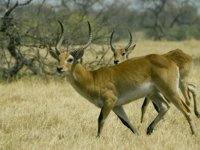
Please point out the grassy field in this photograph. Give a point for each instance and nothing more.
(38, 114)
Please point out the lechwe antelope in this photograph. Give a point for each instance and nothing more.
(182, 60)
(109, 88)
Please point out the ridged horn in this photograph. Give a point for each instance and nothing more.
(87, 44)
(58, 45)
(130, 41)
(111, 37)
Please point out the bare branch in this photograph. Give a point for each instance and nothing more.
(8, 4)
(8, 12)
(25, 3)
(40, 7)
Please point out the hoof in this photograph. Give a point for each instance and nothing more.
(197, 114)
(98, 136)
(188, 103)
(137, 134)
(149, 130)
(193, 132)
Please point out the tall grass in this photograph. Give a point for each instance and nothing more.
(48, 114)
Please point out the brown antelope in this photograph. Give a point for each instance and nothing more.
(109, 88)
(182, 60)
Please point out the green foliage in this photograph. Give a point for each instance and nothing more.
(173, 20)
(169, 19)
(35, 25)
(183, 33)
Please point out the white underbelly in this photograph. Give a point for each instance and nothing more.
(136, 93)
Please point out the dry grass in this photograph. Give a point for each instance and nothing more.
(38, 115)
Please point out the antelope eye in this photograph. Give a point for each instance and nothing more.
(70, 60)
(123, 53)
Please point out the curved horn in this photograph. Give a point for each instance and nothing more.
(88, 43)
(130, 41)
(58, 45)
(111, 37)
(90, 37)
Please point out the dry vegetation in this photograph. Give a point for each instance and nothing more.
(48, 114)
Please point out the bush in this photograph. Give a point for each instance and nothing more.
(183, 33)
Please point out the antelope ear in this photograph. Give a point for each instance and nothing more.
(130, 49)
(77, 54)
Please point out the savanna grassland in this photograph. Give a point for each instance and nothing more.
(38, 114)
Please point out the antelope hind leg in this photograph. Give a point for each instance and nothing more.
(177, 101)
(192, 89)
(163, 108)
(184, 89)
(144, 108)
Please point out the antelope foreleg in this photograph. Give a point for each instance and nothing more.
(108, 106)
(119, 111)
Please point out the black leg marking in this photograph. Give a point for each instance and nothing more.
(144, 103)
(99, 122)
(156, 107)
(143, 109)
(119, 111)
(150, 129)
(125, 123)
(163, 108)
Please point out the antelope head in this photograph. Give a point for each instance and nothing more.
(121, 54)
(68, 58)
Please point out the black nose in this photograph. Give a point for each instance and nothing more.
(59, 69)
(116, 61)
